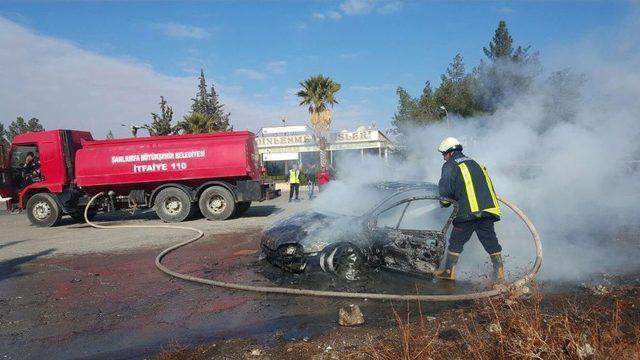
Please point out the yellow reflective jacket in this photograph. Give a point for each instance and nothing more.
(468, 183)
(294, 176)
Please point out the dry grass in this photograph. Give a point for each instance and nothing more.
(589, 327)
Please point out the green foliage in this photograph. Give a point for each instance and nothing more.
(456, 89)
(3, 136)
(501, 46)
(317, 92)
(508, 74)
(562, 95)
(416, 111)
(161, 124)
(20, 126)
(197, 123)
(207, 103)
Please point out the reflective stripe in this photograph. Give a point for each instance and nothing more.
(468, 184)
(496, 206)
(294, 176)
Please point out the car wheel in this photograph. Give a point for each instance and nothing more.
(217, 203)
(173, 205)
(43, 210)
(345, 260)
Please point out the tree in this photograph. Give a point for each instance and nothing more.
(501, 46)
(318, 92)
(508, 74)
(197, 123)
(208, 104)
(109, 135)
(562, 94)
(161, 124)
(416, 111)
(3, 136)
(456, 89)
(19, 126)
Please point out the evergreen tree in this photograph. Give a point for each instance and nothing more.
(208, 104)
(508, 74)
(4, 136)
(109, 135)
(456, 89)
(416, 111)
(161, 124)
(501, 46)
(19, 126)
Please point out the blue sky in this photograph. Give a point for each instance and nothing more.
(257, 52)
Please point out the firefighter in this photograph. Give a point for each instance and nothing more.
(294, 182)
(469, 184)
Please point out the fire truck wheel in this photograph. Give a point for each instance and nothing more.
(217, 203)
(173, 205)
(242, 207)
(43, 210)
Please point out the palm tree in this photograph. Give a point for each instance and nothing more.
(196, 123)
(318, 92)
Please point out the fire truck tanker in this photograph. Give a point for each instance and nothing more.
(178, 176)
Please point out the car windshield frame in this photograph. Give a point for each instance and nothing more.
(405, 197)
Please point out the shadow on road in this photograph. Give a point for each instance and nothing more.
(10, 243)
(12, 268)
(261, 211)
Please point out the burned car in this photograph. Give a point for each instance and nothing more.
(405, 232)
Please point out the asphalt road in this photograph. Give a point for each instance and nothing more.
(18, 238)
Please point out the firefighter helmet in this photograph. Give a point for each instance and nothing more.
(449, 144)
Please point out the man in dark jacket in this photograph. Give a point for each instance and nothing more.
(469, 184)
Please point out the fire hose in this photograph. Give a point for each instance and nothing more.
(338, 294)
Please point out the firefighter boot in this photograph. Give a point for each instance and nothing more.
(449, 271)
(498, 268)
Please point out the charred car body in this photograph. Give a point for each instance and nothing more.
(405, 231)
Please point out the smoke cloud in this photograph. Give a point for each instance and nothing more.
(567, 153)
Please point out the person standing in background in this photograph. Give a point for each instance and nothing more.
(324, 177)
(311, 180)
(294, 182)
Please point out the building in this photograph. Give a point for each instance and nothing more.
(280, 147)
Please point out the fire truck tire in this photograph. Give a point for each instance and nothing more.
(43, 210)
(173, 205)
(217, 203)
(242, 208)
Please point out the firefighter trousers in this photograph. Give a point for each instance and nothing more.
(462, 231)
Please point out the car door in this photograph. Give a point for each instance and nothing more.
(410, 236)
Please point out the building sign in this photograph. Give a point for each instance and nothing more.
(284, 129)
(291, 140)
(280, 156)
(298, 140)
(369, 135)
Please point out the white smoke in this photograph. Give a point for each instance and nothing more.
(569, 161)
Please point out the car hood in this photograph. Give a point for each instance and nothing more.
(312, 230)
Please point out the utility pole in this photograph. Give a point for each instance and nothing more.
(446, 116)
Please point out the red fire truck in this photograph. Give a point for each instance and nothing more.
(54, 173)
